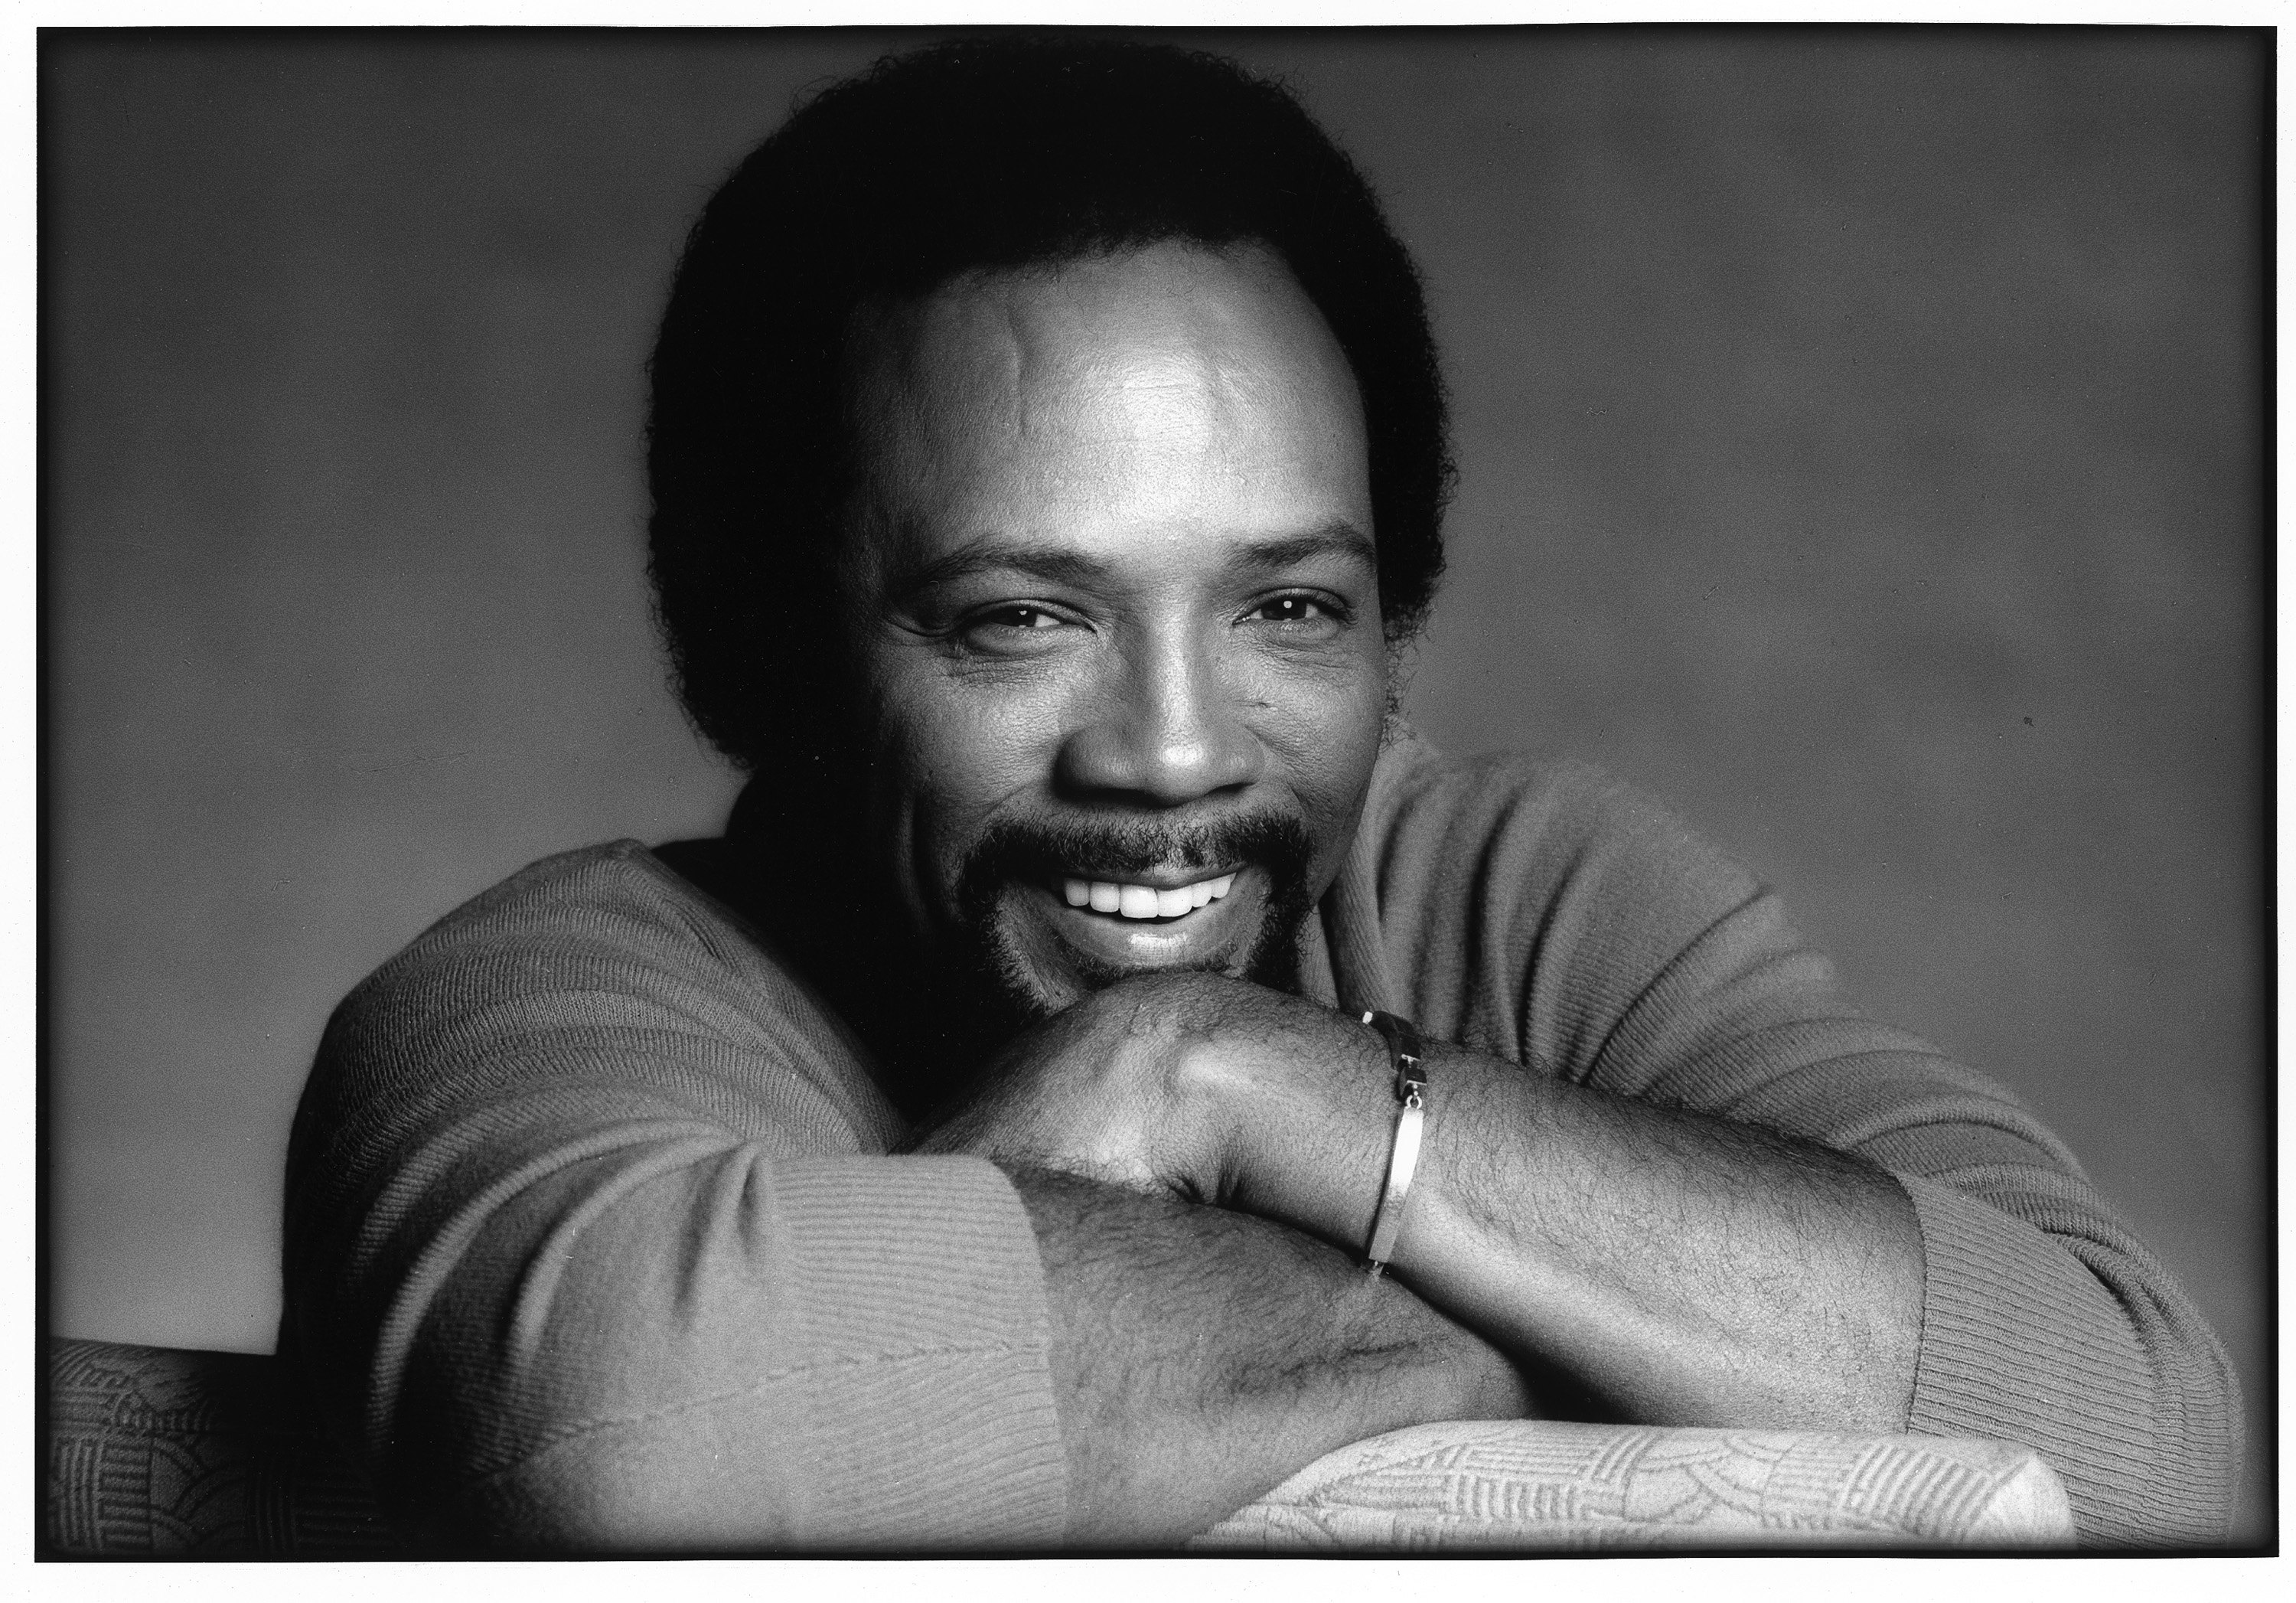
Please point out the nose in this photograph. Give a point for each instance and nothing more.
(1164, 731)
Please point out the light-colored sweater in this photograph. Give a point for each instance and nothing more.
(592, 1234)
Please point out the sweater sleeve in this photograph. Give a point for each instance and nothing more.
(591, 1242)
(1589, 935)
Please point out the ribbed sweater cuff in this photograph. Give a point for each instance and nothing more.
(946, 1434)
(2017, 1343)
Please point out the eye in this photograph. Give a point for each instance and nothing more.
(1013, 626)
(1020, 616)
(1296, 610)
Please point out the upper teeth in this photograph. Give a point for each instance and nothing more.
(1143, 901)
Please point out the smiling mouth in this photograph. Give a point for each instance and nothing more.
(1131, 899)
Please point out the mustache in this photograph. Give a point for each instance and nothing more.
(1127, 848)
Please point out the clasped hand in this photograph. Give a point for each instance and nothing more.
(1147, 1084)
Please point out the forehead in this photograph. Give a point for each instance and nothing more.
(1156, 393)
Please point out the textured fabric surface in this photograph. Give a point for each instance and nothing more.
(1549, 1484)
(162, 1454)
(593, 1234)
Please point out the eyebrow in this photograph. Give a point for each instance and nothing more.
(1058, 564)
(1338, 537)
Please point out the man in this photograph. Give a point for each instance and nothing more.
(983, 1142)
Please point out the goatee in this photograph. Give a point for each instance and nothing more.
(1009, 995)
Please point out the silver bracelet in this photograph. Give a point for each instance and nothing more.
(1403, 1160)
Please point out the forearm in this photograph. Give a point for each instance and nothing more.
(1200, 1357)
(1683, 1269)
(676, 1342)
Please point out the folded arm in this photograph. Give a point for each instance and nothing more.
(1201, 1357)
(1200, 1354)
(1683, 1270)
(1686, 1267)
(594, 1243)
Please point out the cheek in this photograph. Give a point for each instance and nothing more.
(1339, 769)
(948, 749)
(1323, 729)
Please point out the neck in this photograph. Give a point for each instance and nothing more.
(928, 1024)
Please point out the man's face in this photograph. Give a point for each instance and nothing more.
(1115, 594)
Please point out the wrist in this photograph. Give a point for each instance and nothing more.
(1408, 1055)
(1305, 1124)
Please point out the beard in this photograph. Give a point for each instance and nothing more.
(931, 1009)
(1005, 991)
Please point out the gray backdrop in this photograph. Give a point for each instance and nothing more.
(1860, 449)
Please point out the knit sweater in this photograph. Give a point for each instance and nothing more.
(594, 1236)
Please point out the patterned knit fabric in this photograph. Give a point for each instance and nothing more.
(156, 1453)
(1552, 1486)
(592, 1237)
